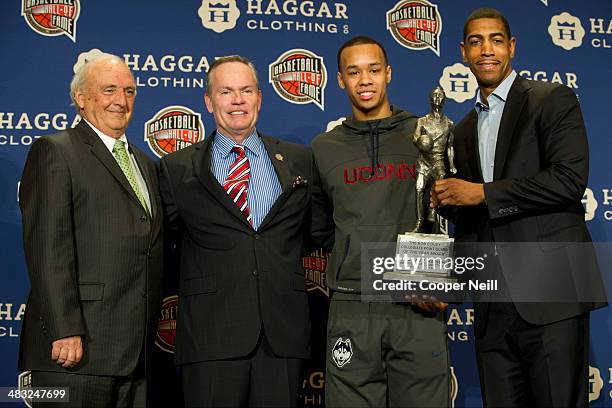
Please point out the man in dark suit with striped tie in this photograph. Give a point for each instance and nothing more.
(242, 203)
(93, 246)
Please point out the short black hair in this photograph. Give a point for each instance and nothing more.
(486, 12)
(360, 40)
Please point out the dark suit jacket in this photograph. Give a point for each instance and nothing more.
(540, 174)
(234, 281)
(93, 255)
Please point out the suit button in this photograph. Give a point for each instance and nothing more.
(143, 218)
(256, 236)
(255, 273)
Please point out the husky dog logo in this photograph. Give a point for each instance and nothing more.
(415, 24)
(299, 76)
(342, 352)
(52, 17)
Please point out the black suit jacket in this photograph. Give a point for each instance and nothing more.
(93, 255)
(234, 281)
(540, 174)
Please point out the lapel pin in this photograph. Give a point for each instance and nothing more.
(279, 156)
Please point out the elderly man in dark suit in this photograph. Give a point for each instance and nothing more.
(522, 160)
(243, 201)
(92, 237)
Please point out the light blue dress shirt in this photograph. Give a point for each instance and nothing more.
(489, 119)
(264, 186)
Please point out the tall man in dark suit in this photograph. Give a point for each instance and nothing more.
(522, 160)
(243, 201)
(92, 237)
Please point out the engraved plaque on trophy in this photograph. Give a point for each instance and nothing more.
(422, 256)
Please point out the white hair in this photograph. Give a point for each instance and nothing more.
(81, 74)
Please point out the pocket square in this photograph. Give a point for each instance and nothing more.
(299, 181)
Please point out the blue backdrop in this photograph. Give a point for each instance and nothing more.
(169, 47)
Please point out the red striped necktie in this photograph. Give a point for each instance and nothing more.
(236, 183)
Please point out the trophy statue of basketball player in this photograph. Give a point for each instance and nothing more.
(433, 137)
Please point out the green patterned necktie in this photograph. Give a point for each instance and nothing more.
(125, 163)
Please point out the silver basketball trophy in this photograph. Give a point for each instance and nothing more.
(428, 256)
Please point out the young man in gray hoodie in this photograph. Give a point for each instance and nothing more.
(378, 353)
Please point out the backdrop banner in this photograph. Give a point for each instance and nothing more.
(170, 46)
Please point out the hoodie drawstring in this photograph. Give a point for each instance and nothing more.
(374, 145)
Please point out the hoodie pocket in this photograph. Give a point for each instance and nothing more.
(347, 247)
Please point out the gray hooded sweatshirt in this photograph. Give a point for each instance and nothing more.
(368, 172)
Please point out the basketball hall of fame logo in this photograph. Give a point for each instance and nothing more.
(299, 76)
(314, 266)
(173, 128)
(415, 24)
(166, 324)
(52, 17)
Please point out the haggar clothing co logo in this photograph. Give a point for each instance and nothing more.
(52, 17)
(595, 383)
(566, 31)
(416, 24)
(458, 83)
(332, 124)
(219, 15)
(454, 386)
(590, 204)
(85, 57)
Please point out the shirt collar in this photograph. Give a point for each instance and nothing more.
(108, 141)
(224, 144)
(501, 92)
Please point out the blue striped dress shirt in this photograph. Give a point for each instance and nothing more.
(264, 187)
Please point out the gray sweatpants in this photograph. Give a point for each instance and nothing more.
(385, 355)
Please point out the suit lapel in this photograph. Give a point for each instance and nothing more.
(279, 160)
(201, 162)
(517, 96)
(471, 145)
(100, 152)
